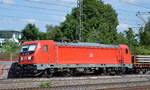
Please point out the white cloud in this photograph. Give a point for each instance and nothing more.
(129, 1)
(59, 18)
(123, 26)
(33, 21)
(68, 0)
(56, 0)
(43, 22)
(7, 1)
(35, 0)
(30, 20)
(26, 21)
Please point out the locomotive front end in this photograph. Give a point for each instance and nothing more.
(26, 56)
(27, 59)
(33, 56)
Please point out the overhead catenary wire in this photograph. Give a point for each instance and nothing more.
(141, 3)
(121, 13)
(128, 11)
(127, 19)
(126, 15)
(25, 18)
(33, 7)
(135, 4)
(22, 19)
(49, 3)
(13, 20)
(64, 1)
(38, 12)
(119, 10)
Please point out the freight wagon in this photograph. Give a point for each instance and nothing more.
(46, 58)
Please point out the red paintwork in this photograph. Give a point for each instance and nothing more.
(77, 55)
(126, 57)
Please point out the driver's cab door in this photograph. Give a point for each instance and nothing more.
(45, 53)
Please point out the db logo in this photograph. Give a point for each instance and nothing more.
(91, 55)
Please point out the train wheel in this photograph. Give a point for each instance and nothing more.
(141, 72)
(38, 73)
(48, 73)
(147, 73)
(66, 74)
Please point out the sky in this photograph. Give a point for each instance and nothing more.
(15, 14)
(127, 11)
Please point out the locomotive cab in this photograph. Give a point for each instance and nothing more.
(27, 52)
(35, 52)
(32, 54)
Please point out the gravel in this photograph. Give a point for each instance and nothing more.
(78, 83)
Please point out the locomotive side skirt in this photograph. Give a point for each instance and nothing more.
(44, 66)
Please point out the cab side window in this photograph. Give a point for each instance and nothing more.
(45, 49)
(127, 51)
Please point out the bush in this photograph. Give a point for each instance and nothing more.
(143, 50)
(47, 84)
(11, 47)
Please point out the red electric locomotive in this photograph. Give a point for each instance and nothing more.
(46, 57)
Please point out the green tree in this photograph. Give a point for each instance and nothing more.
(131, 39)
(142, 50)
(121, 38)
(43, 36)
(30, 32)
(99, 23)
(145, 34)
(53, 32)
(11, 47)
(144, 38)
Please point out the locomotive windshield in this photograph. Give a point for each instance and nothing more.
(28, 48)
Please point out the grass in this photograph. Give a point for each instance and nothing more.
(47, 84)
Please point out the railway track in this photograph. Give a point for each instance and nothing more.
(98, 86)
(73, 78)
(71, 83)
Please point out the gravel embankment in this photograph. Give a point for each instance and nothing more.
(74, 83)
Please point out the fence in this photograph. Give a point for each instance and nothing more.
(6, 60)
(8, 56)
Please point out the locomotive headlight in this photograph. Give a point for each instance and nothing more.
(21, 58)
(30, 58)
